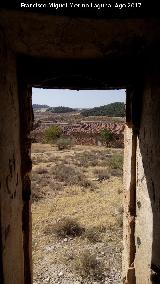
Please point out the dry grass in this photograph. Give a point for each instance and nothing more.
(64, 191)
(102, 174)
(89, 267)
(70, 175)
(95, 234)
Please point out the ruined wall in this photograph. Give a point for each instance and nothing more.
(11, 239)
(26, 118)
(141, 255)
(129, 206)
(66, 38)
(147, 191)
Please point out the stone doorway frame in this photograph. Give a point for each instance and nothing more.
(129, 200)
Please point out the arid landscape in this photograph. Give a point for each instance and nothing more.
(83, 127)
(77, 198)
(77, 214)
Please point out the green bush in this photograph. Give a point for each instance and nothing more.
(61, 109)
(106, 136)
(64, 143)
(52, 133)
(116, 109)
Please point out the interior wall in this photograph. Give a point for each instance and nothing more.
(129, 194)
(11, 240)
(148, 181)
(26, 119)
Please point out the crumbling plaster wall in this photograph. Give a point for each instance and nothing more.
(11, 237)
(50, 36)
(45, 36)
(147, 233)
(129, 206)
(141, 255)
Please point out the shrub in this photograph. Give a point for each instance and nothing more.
(86, 159)
(89, 267)
(66, 227)
(116, 162)
(64, 143)
(55, 186)
(52, 133)
(41, 170)
(94, 234)
(116, 172)
(106, 136)
(43, 185)
(102, 174)
(37, 192)
(70, 175)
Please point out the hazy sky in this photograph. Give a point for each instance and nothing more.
(77, 99)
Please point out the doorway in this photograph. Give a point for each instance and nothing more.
(77, 155)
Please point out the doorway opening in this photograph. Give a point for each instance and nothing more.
(77, 156)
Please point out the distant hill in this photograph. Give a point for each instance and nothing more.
(61, 109)
(116, 109)
(36, 106)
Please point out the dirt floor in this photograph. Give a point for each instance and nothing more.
(77, 214)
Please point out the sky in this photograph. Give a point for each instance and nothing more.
(76, 99)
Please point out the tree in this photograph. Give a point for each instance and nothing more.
(106, 136)
(61, 109)
(113, 110)
(52, 133)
